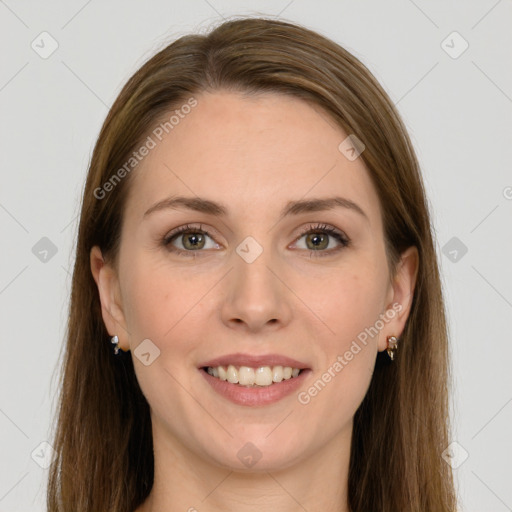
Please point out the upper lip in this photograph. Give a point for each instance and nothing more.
(254, 361)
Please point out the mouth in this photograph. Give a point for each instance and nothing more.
(254, 380)
(262, 376)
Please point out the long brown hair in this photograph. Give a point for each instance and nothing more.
(103, 441)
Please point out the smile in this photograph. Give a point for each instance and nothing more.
(247, 376)
(254, 380)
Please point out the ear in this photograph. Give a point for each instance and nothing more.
(110, 297)
(400, 295)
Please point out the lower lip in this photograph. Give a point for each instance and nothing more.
(258, 395)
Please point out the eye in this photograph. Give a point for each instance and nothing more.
(191, 239)
(317, 239)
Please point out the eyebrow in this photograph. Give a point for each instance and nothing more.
(202, 205)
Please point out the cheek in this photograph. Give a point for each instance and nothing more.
(155, 300)
(354, 302)
(162, 307)
(149, 303)
(352, 310)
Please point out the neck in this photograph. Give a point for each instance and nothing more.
(185, 482)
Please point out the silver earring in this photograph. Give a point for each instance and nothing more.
(115, 341)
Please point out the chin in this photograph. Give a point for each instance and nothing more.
(258, 453)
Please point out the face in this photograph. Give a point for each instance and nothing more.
(273, 280)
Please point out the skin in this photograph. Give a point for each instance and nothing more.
(253, 154)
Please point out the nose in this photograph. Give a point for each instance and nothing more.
(256, 298)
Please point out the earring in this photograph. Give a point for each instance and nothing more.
(115, 341)
(392, 346)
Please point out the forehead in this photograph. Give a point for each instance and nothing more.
(259, 150)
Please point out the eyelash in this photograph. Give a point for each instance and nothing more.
(313, 228)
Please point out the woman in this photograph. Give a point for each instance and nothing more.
(256, 315)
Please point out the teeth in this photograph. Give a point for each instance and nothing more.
(232, 374)
(277, 374)
(247, 376)
(264, 376)
(223, 375)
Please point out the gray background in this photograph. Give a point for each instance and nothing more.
(458, 111)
